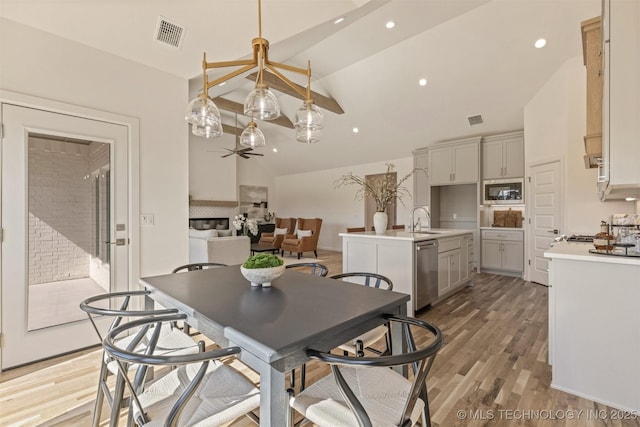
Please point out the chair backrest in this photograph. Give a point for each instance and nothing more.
(313, 224)
(418, 358)
(289, 223)
(198, 266)
(355, 229)
(103, 305)
(312, 267)
(367, 279)
(149, 330)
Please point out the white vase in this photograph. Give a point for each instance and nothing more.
(380, 220)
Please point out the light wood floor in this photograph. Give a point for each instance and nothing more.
(493, 366)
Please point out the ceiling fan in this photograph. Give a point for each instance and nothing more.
(242, 152)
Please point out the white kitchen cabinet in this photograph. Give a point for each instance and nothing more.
(420, 177)
(503, 156)
(454, 162)
(450, 267)
(503, 250)
(466, 257)
(620, 174)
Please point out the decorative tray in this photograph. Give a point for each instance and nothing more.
(620, 250)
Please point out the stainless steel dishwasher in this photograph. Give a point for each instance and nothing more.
(425, 280)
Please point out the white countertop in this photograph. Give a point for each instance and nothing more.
(580, 252)
(436, 233)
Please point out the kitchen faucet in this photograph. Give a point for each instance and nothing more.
(414, 224)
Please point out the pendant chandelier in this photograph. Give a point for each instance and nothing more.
(204, 116)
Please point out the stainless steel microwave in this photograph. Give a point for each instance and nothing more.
(503, 191)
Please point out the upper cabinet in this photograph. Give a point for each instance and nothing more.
(592, 58)
(454, 162)
(620, 174)
(503, 156)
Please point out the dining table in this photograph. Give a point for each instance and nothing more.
(274, 326)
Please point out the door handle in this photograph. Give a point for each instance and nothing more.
(554, 231)
(118, 242)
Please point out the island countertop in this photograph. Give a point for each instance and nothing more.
(579, 251)
(436, 233)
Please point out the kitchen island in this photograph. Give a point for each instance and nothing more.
(594, 325)
(396, 254)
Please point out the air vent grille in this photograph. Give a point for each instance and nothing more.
(169, 33)
(475, 120)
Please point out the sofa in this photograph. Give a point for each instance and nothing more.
(208, 246)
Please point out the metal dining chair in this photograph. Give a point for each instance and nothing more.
(119, 306)
(366, 340)
(363, 391)
(194, 267)
(202, 390)
(197, 266)
(312, 268)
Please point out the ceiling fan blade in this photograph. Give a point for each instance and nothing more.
(227, 155)
(244, 156)
(253, 154)
(244, 150)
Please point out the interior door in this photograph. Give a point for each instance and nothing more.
(545, 191)
(64, 221)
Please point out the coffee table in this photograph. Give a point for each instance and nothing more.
(255, 247)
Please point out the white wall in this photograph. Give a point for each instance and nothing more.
(313, 195)
(36, 63)
(212, 177)
(554, 126)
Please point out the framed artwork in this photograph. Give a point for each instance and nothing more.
(253, 201)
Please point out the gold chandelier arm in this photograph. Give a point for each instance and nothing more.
(249, 65)
(288, 82)
(287, 67)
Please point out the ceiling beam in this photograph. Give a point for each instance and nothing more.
(236, 107)
(231, 130)
(321, 101)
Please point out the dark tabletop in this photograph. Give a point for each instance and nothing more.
(299, 309)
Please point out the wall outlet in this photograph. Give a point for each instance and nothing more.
(455, 216)
(146, 219)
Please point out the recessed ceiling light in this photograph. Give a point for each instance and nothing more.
(422, 82)
(339, 20)
(275, 150)
(630, 199)
(540, 43)
(356, 130)
(390, 25)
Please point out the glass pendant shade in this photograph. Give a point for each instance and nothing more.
(202, 112)
(207, 131)
(262, 104)
(252, 136)
(308, 123)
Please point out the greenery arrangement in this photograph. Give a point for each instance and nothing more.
(263, 261)
(382, 191)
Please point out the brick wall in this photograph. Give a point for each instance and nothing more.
(59, 211)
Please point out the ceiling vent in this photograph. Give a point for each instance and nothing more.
(475, 120)
(169, 33)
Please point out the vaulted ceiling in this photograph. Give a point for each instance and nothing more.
(477, 56)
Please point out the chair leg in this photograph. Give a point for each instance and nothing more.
(292, 379)
(289, 408)
(303, 376)
(97, 407)
(299, 255)
(359, 348)
(315, 253)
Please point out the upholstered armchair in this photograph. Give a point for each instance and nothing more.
(284, 226)
(305, 239)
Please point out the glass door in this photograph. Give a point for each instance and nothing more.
(64, 216)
